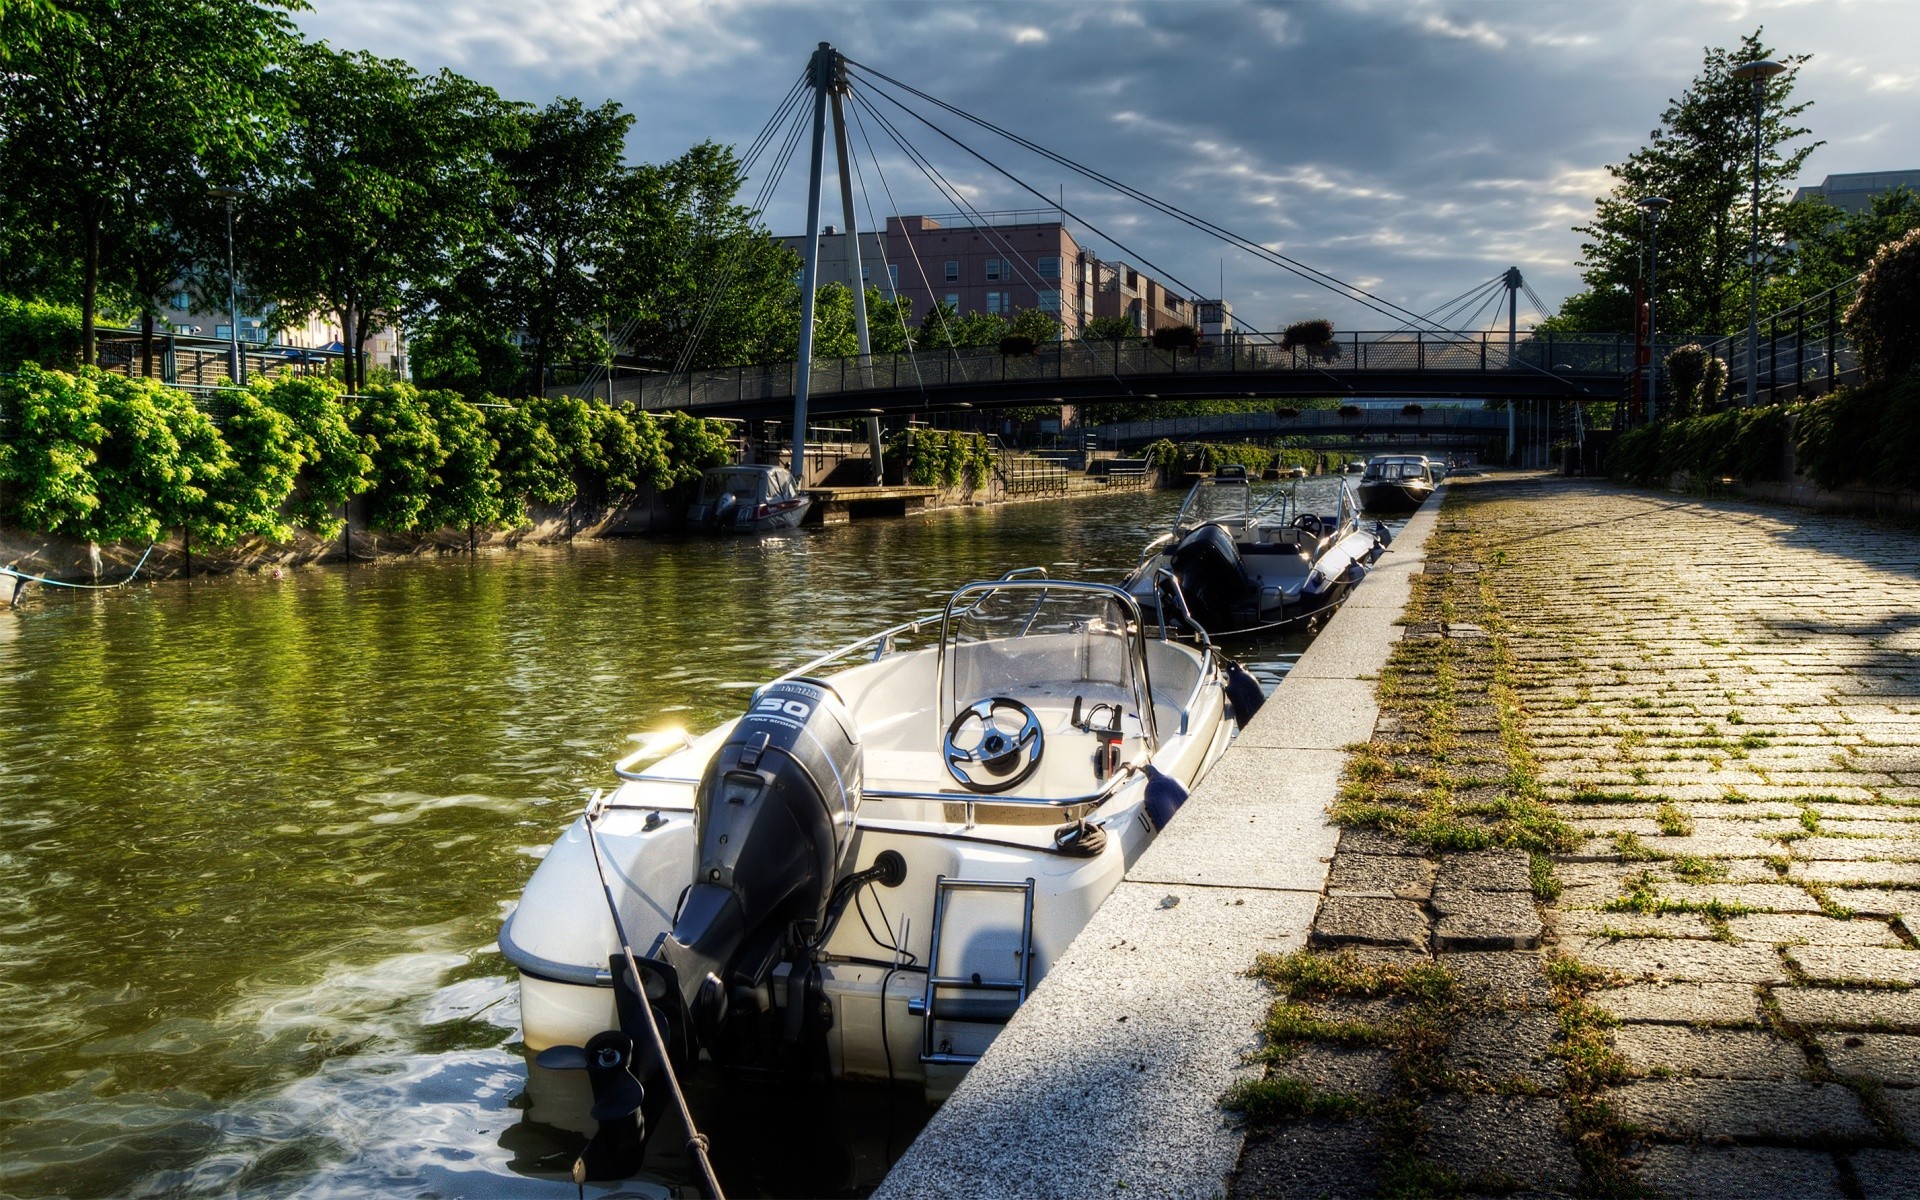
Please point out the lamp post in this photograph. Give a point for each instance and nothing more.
(1759, 71)
(236, 366)
(1653, 206)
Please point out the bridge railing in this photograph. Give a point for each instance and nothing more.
(1803, 350)
(1354, 353)
(1438, 420)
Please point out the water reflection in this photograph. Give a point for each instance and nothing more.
(258, 835)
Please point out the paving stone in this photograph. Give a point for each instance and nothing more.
(1834, 1008)
(1738, 1172)
(1859, 873)
(1904, 1104)
(1858, 964)
(1375, 841)
(1872, 902)
(1708, 1053)
(1662, 958)
(1739, 1108)
(1380, 875)
(1888, 1057)
(1365, 921)
(1500, 978)
(1887, 1174)
(1682, 1003)
(1476, 920)
(1781, 928)
(1763, 897)
(1501, 1139)
(1592, 923)
(1487, 871)
(1507, 1047)
(1307, 1159)
(1340, 1069)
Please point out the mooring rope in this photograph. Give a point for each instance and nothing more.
(25, 578)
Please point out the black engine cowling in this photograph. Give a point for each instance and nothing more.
(1211, 576)
(773, 819)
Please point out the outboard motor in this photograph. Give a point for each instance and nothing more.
(1207, 564)
(772, 822)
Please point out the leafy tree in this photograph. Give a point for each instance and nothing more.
(465, 354)
(1831, 246)
(531, 462)
(107, 99)
(834, 334)
(1701, 159)
(690, 243)
(378, 186)
(37, 332)
(1036, 323)
(1109, 329)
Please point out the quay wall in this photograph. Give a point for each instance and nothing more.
(1107, 1079)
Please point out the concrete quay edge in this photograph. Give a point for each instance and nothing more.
(1107, 1080)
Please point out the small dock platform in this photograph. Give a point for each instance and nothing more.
(839, 505)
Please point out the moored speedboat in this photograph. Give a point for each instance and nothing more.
(865, 874)
(1395, 483)
(1233, 566)
(748, 498)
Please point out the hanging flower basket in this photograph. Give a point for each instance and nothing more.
(1285, 413)
(1412, 410)
(1017, 345)
(1349, 412)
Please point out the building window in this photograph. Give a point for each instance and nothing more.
(1050, 266)
(1050, 300)
(953, 271)
(223, 332)
(996, 269)
(953, 301)
(893, 277)
(866, 273)
(997, 302)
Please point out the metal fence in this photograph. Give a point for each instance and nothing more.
(1133, 359)
(1802, 350)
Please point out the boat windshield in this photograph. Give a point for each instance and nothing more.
(1229, 500)
(1397, 469)
(740, 484)
(1043, 642)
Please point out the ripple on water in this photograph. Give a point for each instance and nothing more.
(259, 836)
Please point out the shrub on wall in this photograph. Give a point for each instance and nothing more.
(1747, 444)
(334, 463)
(1884, 319)
(942, 457)
(406, 452)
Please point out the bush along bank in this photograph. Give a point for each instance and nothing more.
(1176, 460)
(99, 458)
(941, 458)
(1863, 436)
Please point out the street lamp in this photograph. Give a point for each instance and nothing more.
(1759, 70)
(236, 366)
(1653, 206)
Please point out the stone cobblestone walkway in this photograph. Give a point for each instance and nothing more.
(1627, 897)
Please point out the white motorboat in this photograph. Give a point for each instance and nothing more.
(866, 873)
(1232, 565)
(748, 498)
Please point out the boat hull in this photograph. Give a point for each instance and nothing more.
(1377, 497)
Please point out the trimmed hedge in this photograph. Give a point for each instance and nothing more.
(103, 457)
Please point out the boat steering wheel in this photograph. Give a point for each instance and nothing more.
(1308, 523)
(1006, 758)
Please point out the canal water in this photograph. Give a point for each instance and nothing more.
(257, 834)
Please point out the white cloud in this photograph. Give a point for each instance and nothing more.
(1028, 35)
(1477, 31)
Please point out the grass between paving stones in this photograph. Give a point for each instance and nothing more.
(1430, 783)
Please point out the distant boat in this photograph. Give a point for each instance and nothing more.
(1395, 483)
(748, 498)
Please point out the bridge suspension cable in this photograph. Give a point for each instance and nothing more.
(1312, 274)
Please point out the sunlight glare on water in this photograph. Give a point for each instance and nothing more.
(258, 836)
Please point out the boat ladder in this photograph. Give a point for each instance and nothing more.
(957, 996)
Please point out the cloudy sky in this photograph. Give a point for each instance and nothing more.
(1413, 148)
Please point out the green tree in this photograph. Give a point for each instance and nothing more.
(1701, 159)
(1831, 246)
(104, 99)
(466, 353)
(693, 254)
(1884, 319)
(1109, 329)
(378, 189)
